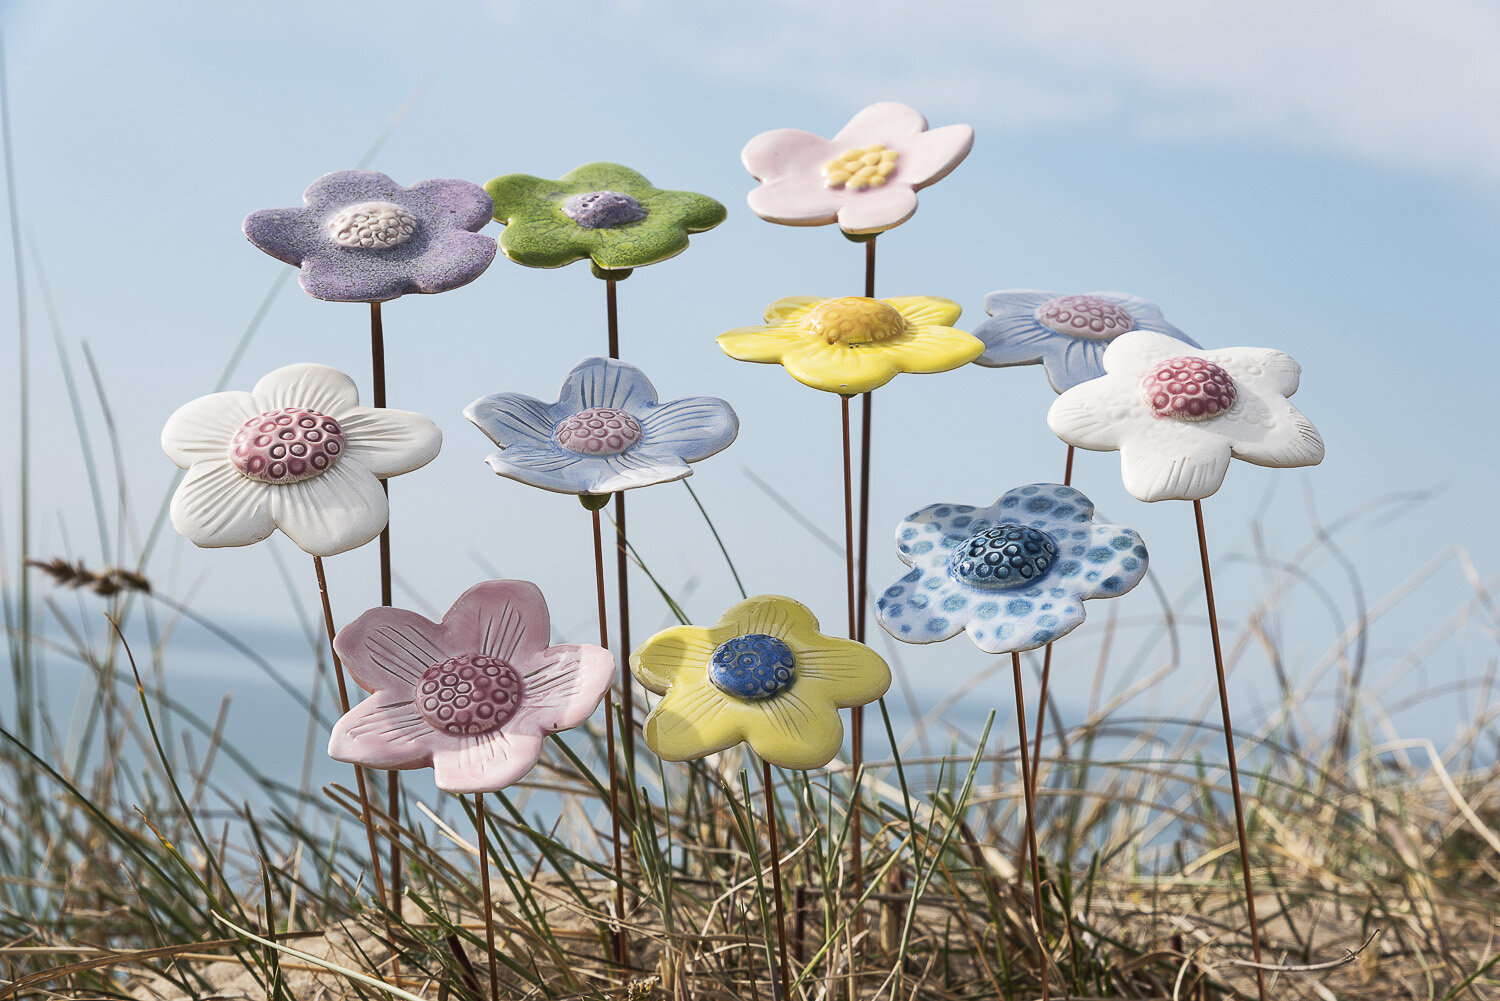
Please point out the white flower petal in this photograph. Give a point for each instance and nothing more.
(203, 428)
(1173, 461)
(390, 442)
(216, 506)
(1131, 354)
(339, 510)
(316, 387)
(486, 763)
(1097, 414)
(1271, 370)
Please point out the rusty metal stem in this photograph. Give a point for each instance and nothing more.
(618, 939)
(481, 835)
(766, 785)
(1026, 788)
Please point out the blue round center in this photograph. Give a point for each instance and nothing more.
(603, 210)
(752, 667)
(1004, 557)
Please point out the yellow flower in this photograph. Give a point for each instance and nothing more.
(854, 344)
(762, 674)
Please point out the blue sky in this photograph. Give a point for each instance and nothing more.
(1318, 180)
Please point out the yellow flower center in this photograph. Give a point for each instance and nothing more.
(857, 169)
(855, 320)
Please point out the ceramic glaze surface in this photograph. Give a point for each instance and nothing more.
(762, 675)
(606, 432)
(361, 237)
(865, 178)
(296, 453)
(853, 344)
(604, 212)
(1167, 450)
(1066, 334)
(1044, 529)
(472, 696)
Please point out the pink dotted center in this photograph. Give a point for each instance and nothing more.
(469, 694)
(598, 431)
(287, 445)
(1091, 317)
(1188, 389)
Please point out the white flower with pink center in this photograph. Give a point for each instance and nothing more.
(1177, 414)
(472, 696)
(296, 453)
(865, 178)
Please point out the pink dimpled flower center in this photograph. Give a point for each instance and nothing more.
(469, 694)
(1188, 389)
(1091, 317)
(598, 431)
(287, 445)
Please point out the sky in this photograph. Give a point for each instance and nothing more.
(1320, 179)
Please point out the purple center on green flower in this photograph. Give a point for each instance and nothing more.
(1188, 389)
(469, 694)
(603, 210)
(372, 226)
(287, 446)
(752, 667)
(598, 431)
(1090, 317)
(1004, 557)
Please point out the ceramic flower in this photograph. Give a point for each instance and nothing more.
(865, 178)
(606, 432)
(296, 453)
(1067, 334)
(1177, 414)
(854, 344)
(472, 696)
(361, 237)
(601, 211)
(1015, 574)
(763, 675)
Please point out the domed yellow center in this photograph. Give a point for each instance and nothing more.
(855, 320)
(857, 169)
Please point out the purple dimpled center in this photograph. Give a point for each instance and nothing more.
(287, 446)
(1091, 317)
(603, 210)
(598, 431)
(469, 695)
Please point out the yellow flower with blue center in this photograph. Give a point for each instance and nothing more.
(855, 344)
(762, 675)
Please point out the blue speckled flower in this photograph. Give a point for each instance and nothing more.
(606, 432)
(1014, 574)
(361, 237)
(1067, 334)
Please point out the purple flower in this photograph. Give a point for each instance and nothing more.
(361, 237)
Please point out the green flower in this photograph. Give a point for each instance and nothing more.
(601, 211)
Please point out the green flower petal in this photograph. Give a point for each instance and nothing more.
(520, 196)
(694, 211)
(544, 240)
(604, 176)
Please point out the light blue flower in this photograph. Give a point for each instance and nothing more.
(606, 432)
(1014, 574)
(1067, 334)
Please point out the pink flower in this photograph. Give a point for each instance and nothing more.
(865, 178)
(473, 696)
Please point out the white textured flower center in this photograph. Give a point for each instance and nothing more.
(469, 694)
(373, 226)
(1091, 317)
(864, 167)
(287, 445)
(598, 431)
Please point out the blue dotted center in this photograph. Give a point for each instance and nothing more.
(603, 210)
(1004, 557)
(752, 667)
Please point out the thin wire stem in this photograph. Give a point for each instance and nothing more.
(359, 772)
(1234, 768)
(768, 787)
(481, 837)
(621, 947)
(1026, 786)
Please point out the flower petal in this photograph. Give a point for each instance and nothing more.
(384, 731)
(204, 428)
(913, 609)
(796, 729)
(336, 511)
(389, 649)
(687, 209)
(800, 199)
(1013, 338)
(504, 619)
(605, 382)
(782, 152)
(1113, 562)
(216, 506)
(1097, 414)
(347, 187)
(459, 203)
(546, 239)
(389, 442)
(923, 310)
(926, 537)
(1269, 431)
(1052, 507)
(638, 467)
(512, 419)
(1071, 362)
(841, 368)
(691, 428)
(879, 123)
(1275, 371)
(929, 349)
(791, 309)
(603, 175)
(548, 467)
(518, 195)
(1132, 353)
(485, 763)
(282, 233)
(1024, 623)
(762, 344)
(564, 686)
(876, 210)
(451, 259)
(1173, 462)
(316, 387)
(772, 614)
(693, 720)
(844, 672)
(670, 655)
(932, 155)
